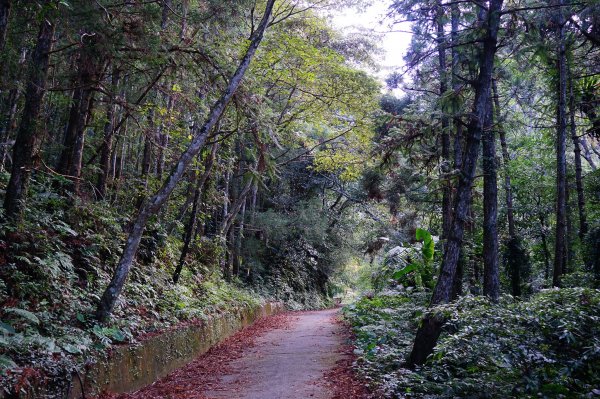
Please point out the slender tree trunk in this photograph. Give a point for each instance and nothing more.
(26, 149)
(12, 105)
(228, 266)
(9, 127)
(545, 248)
(455, 17)
(491, 283)
(163, 140)
(109, 131)
(457, 286)
(226, 193)
(76, 163)
(445, 169)
(66, 155)
(514, 240)
(568, 259)
(583, 228)
(428, 333)
(561, 160)
(253, 204)
(237, 251)
(147, 157)
(457, 289)
(235, 208)
(153, 205)
(510, 212)
(89, 68)
(189, 229)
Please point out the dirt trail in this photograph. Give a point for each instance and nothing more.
(291, 356)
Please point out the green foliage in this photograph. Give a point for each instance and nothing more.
(548, 345)
(408, 266)
(56, 266)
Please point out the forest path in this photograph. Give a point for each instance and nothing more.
(287, 362)
(295, 355)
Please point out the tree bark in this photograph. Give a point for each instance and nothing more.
(189, 229)
(153, 205)
(491, 283)
(109, 130)
(455, 16)
(583, 227)
(26, 149)
(163, 139)
(235, 208)
(514, 240)
(428, 333)
(506, 160)
(457, 289)
(445, 169)
(237, 250)
(561, 160)
(9, 127)
(90, 67)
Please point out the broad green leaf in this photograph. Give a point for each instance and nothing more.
(422, 235)
(405, 270)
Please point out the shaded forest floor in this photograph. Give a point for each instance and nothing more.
(292, 355)
(546, 345)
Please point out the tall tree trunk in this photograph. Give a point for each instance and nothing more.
(568, 258)
(457, 289)
(491, 284)
(26, 149)
(163, 140)
(88, 70)
(228, 265)
(545, 249)
(445, 169)
(109, 130)
(10, 123)
(583, 228)
(153, 205)
(189, 228)
(237, 249)
(235, 208)
(147, 157)
(510, 210)
(514, 240)
(561, 160)
(456, 84)
(428, 333)
(76, 163)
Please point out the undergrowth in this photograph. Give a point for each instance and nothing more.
(546, 346)
(53, 270)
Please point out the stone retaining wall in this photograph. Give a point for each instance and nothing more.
(129, 368)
